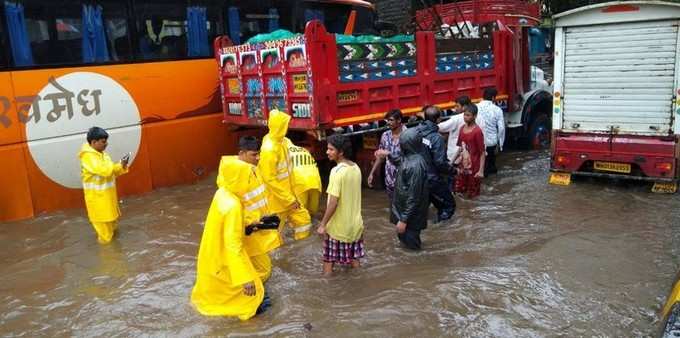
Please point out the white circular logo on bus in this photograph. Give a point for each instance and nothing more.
(58, 117)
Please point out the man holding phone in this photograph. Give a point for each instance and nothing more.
(99, 174)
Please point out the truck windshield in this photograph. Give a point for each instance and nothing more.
(335, 16)
(246, 18)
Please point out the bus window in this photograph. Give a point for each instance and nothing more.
(114, 15)
(334, 16)
(257, 17)
(201, 29)
(54, 31)
(161, 29)
(215, 28)
(4, 51)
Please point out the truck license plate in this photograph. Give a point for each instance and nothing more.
(665, 187)
(560, 178)
(613, 166)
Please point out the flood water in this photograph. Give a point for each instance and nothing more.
(526, 259)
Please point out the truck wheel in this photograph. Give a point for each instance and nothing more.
(539, 133)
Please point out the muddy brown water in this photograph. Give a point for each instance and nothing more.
(526, 259)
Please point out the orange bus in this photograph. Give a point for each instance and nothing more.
(141, 69)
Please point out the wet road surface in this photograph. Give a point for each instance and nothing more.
(526, 259)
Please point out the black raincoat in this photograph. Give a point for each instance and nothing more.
(411, 200)
(436, 151)
(439, 170)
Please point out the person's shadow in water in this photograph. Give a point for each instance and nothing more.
(108, 272)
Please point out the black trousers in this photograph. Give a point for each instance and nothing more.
(441, 197)
(410, 238)
(490, 163)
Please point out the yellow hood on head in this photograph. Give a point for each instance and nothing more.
(278, 124)
(234, 175)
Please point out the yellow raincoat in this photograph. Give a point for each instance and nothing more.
(99, 174)
(259, 243)
(224, 265)
(307, 179)
(276, 170)
(673, 298)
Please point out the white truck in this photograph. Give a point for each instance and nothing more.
(615, 99)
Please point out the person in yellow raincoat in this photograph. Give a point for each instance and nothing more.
(227, 283)
(259, 243)
(276, 170)
(99, 174)
(307, 179)
(670, 313)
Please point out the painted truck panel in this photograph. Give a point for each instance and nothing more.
(325, 84)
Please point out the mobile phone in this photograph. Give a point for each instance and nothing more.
(127, 156)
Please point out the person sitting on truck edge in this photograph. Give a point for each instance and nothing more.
(227, 283)
(342, 226)
(388, 149)
(490, 119)
(470, 155)
(259, 243)
(409, 207)
(307, 178)
(277, 174)
(439, 169)
(99, 174)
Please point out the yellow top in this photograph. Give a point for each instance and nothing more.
(254, 203)
(223, 265)
(346, 224)
(305, 170)
(274, 165)
(673, 298)
(99, 174)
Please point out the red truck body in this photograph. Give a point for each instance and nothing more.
(324, 84)
(509, 12)
(650, 158)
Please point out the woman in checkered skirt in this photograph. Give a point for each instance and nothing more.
(342, 226)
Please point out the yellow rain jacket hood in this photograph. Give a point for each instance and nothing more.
(98, 175)
(274, 164)
(224, 265)
(254, 201)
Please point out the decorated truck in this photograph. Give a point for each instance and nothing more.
(616, 105)
(347, 83)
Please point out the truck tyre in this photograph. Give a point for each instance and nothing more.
(539, 133)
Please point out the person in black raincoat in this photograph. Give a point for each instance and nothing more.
(439, 168)
(410, 203)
